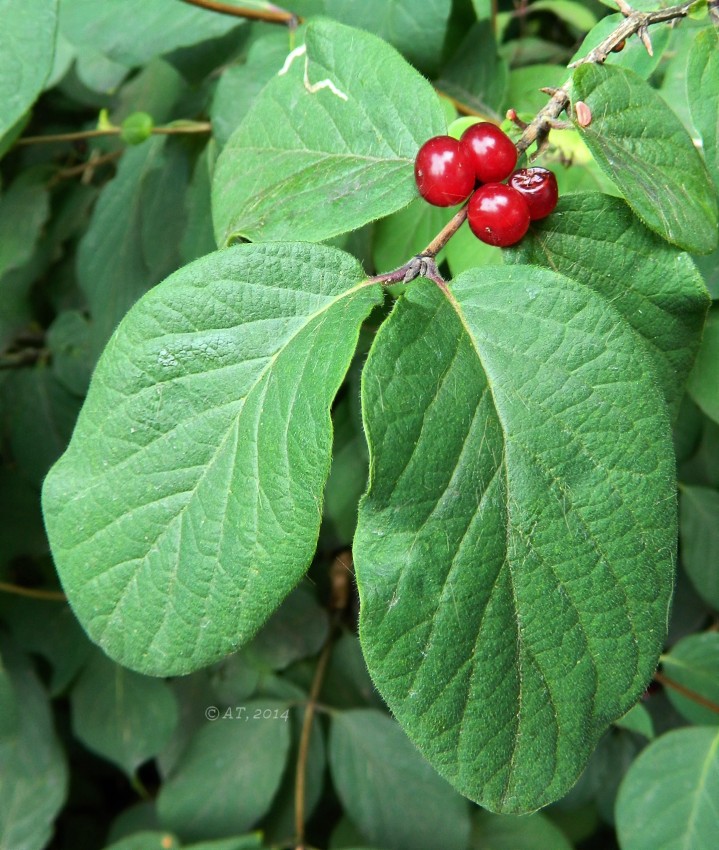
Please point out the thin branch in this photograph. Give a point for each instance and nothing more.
(85, 170)
(275, 15)
(340, 574)
(539, 127)
(423, 264)
(34, 593)
(22, 357)
(177, 129)
(686, 692)
(304, 747)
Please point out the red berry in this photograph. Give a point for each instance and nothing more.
(498, 215)
(492, 151)
(539, 189)
(443, 171)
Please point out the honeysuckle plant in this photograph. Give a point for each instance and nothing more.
(290, 420)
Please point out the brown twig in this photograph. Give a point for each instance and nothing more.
(686, 692)
(169, 130)
(340, 573)
(22, 357)
(423, 264)
(276, 15)
(34, 593)
(85, 169)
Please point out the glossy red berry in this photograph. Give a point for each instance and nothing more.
(492, 151)
(443, 171)
(498, 215)
(539, 189)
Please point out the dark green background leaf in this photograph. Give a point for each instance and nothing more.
(703, 91)
(387, 788)
(699, 531)
(27, 45)
(237, 764)
(668, 798)
(694, 663)
(33, 779)
(122, 716)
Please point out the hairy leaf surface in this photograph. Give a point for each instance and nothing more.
(515, 549)
(641, 144)
(188, 503)
(596, 240)
(297, 163)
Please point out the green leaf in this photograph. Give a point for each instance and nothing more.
(297, 164)
(133, 240)
(253, 841)
(523, 92)
(189, 501)
(24, 210)
(27, 47)
(146, 841)
(575, 14)
(703, 385)
(400, 236)
(389, 790)
(48, 628)
(238, 764)
(656, 288)
(634, 56)
(199, 237)
(667, 800)
(509, 832)
(521, 471)
(418, 35)
(347, 480)
(476, 75)
(694, 663)
(124, 717)
(42, 416)
(33, 779)
(639, 720)
(465, 252)
(699, 531)
(297, 629)
(68, 340)
(703, 92)
(148, 28)
(240, 85)
(638, 141)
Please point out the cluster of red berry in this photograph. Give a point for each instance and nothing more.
(447, 171)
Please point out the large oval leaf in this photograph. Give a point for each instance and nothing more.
(642, 145)
(321, 162)
(189, 500)
(667, 800)
(515, 550)
(596, 240)
(27, 48)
